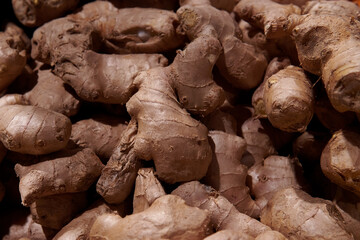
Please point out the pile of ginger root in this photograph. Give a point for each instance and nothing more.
(179, 119)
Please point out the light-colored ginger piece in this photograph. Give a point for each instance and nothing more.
(223, 214)
(67, 171)
(340, 160)
(328, 116)
(57, 210)
(267, 15)
(107, 78)
(271, 235)
(227, 175)
(297, 215)
(13, 99)
(101, 133)
(257, 100)
(79, 227)
(51, 93)
(299, 3)
(340, 7)
(289, 99)
(33, 130)
(34, 13)
(229, 235)
(155, 102)
(240, 63)
(12, 56)
(325, 41)
(147, 189)
(167, 218)
(273, 174)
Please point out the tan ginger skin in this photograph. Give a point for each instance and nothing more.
(33, 130)
(167, 218)
(51, 93)
(299, 222)
(12, 55)
(267, 15)
(289, 99)
(67, 171)
(101, 133)
(240, 63)
(36, 12)
(272, 175)
(325, 41)
(223, 214)
(340, 159)
(257, 99)
(227, 175)
(147, 190)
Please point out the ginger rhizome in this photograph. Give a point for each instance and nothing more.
(289, 99)
(167, 218)
(227, 175)
(33, 130)
(241, 64)
(325, 39)
(299, 222)
(37, 12)
(340, 159)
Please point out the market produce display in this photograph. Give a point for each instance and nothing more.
(179, 119)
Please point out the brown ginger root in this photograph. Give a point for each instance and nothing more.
(37, 12)
(273, 174)
(224, 216)
(325, 40)
(101, 133)
(340, 159)
(227, 175)
(299, 222)
(240, 63)
(55, 211)
(167, 218)
(162, 4)
(12, 55)
(33, 130)
(267, 15)
(257, 100)
(229, 235)
(67, 171)
(221, 121)
(289, 99)
(147, 190)
(51, 93)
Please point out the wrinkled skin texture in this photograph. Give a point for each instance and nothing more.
(267, 15)
(51, 93)
(229, 235)
(224, 216)
(33, 130)
(273, 174)
(240, 63)
(101, 133)
(147, 190)
(33, 13)
(167, 218)
(310, 213)
(12, 55)
(226, 173)
(328, 45)
(257, 100)
(56, 211)
(340, 160)
(67, 171)
(289, 99)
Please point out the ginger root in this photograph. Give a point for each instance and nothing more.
(167, 218)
